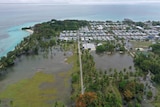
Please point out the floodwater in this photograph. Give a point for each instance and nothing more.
(114, 61)
(27, 66)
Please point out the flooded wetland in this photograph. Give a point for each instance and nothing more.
(34, 68)
(48, 73)
(113, 61)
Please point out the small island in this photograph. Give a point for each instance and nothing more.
(26, 28)
(112, 64)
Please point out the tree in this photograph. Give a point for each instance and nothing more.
(156, 48)
(100, 49)
(124, 69)
(86, 99)
(128, 95)
(138, 105)
(122, 85)
(149, 95)
(130, 67)
(122, 48)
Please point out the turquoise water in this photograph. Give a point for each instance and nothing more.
(15, 36)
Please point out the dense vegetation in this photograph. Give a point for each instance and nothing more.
(106, 47)
(156, 48)
(110, 46)
(132, 92)
(106, 88)
(150, 62)
(156, 23)
(141, 24)
(98, 88)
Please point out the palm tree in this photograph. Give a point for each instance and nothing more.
(121, 75)
(110, 70)
(105, 71)
(115, 74)
(124, 70)
(130, 67)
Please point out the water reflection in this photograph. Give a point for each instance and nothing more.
(27, 66)
(114, 61)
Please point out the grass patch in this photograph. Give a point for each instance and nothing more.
(73, 59)
(112, 88)
(66, 76)
(141, 44)
(27, 93)
(75, 70)
(117, 93)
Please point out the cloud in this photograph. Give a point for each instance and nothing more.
(82, 1)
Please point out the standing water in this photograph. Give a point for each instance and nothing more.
(53, 64)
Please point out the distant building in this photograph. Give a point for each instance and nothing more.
(150, 37)
(139, 49)
(89, 46)
(99, 44)
(100, 27)
(138, 27)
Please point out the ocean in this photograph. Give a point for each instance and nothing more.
(15, 16)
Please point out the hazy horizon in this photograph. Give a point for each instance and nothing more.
(81, 1)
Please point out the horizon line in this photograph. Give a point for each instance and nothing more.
(89, 3)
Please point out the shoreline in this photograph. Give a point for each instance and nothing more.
(29, 31)
(11, 32)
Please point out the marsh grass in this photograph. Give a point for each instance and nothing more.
(27, 93)
(141, 44)
(42, 90)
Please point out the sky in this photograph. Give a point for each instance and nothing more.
(82, 1)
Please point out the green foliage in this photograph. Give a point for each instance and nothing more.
(149, 95)
(141, 24)
(155, 23)
(75, 78)
(98, 82)
(149, 63)
(122, 85)
(52, 42)
(100, 49)
(139, 98)
(131, 90)
(156, 48)
(157, 78)
(122, 48)
(138, 105)
(106, 47)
